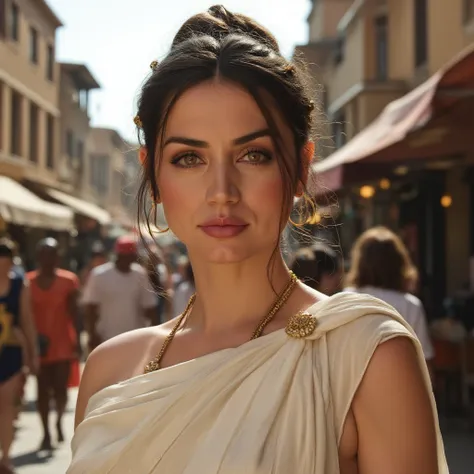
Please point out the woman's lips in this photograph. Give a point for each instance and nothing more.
(224, 227)
(223, 231)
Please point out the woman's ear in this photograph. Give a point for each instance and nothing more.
(142, 154)
(307, 154)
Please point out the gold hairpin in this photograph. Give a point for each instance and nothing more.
(137, 121)
(289, 69)
(311, 105)
(154, 65)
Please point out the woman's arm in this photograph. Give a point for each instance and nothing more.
(29, 329)
(393, 413)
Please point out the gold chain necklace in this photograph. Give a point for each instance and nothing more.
(277, 305)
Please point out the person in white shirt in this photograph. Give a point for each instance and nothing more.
(118, 296)
(381, 267)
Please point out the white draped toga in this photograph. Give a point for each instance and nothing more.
(275, 404)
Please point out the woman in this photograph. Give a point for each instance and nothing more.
(320, 267)
(382, 267)
(251, 377)
(17, 339)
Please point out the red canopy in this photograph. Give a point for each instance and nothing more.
(429, 121)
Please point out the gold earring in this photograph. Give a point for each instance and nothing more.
(296, 224)
(160, 231)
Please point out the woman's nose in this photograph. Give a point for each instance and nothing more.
(223, 185)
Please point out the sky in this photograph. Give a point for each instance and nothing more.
(118, 39)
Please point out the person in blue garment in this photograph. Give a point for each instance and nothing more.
(18, 348)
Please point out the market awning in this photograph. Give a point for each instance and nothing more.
(429, 121)
(20, 206)
(81, 207)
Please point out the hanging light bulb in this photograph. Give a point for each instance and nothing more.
(385, 183)
(446, 201)
(367, 191)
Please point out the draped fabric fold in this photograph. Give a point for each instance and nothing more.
(266, 406)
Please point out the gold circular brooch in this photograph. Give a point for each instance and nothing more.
(301, 325)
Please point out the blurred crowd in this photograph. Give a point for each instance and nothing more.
(51, 319)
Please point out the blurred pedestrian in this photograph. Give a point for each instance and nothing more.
(118, 295)
(320, 267)
(54, 301)
(160, 280)
(17, 346)
(98, 257)
(381, 266)
(184, 290)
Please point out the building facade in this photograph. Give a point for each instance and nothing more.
(29, 91)
(75, 86)
(369, 54)
(108, 173)
(58, 176)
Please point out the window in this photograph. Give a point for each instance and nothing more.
(2, 102)
(80, 151)
(339, 52)
(381, 47)
(83, 99)
(3, 19)
(421, 32)
(70, 144)
(14, 22)
(468, 10)
(339, 131)
(33, 46)
(50, 63)
(34, 114)
(15, 132)
(50, 141)
(99, 173)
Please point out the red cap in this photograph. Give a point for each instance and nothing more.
(126, 245)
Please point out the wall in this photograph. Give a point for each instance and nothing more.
(401, 39)
(350, 71)
(447, 33)
(325, 17)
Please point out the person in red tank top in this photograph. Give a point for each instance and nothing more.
(54, 304)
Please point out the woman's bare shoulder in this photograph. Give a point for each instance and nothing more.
(118, 359)
(125, 355)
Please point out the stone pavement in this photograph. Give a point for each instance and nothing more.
(24, 453)
(459, 445)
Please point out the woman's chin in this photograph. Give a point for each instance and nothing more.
(224, 255)
(221, 252)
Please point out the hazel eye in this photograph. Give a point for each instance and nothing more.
(256, 157)
(188, 160)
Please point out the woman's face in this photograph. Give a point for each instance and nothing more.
(219, 179)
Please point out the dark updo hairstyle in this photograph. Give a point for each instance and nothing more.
(235, 48)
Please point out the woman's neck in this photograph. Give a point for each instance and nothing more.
(233, 296)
